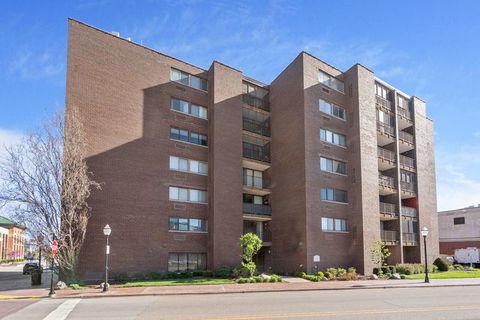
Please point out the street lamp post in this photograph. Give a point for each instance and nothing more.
(424, 234)
(106, 231)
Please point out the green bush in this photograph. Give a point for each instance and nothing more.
(351, 270)
(311, 277)
(121, 277)
(320, 274)
(299, 274)
(333, 271)
(377, 271)
(153, 276)
(275, 278)
(75, 286)
(224, 272)
(328, 275)
(402, 276)
(341, 272)
(458, 267)
(185, 275)
(441, 264)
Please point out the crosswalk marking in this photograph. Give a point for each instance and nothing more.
(63, 310)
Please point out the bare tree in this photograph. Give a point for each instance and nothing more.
(46, 182)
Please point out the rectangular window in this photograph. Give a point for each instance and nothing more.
(331, 109)
(408, 177)
(188, 165)
(459, 220)
(331, 81)
(331, 224)
(333, 137)
(188, 108)
(252, 178)
(184, 261)
(192, 137)
(188, 79)
(382, 91)
(333, 166)
(188, 195)
(331, 194)
(187, 224)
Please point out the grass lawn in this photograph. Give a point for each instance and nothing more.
(447, 275)
(177, 282)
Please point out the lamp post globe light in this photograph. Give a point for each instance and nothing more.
(424, 233)
(106, 231)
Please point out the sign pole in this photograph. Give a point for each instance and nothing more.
(54, 252)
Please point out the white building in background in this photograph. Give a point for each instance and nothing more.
(459, 229)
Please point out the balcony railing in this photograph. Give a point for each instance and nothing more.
(256, 127)
(411, 238)
(256, 182)
(409, 212)
(388, 209)
(256, 102)
(383, 103)
(385, 128)
(409, 187)
(389, 237)
(404, 113)
(260, 209)
(405, 137)
(256, 152)
(386, 154)
(407, 162)
(386, 181)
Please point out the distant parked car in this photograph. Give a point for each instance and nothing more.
(30, 266)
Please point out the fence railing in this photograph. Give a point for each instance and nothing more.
(260, 209)
(407, 162)
(389, 236)
(388, 208)
(410, 237)
(386, 181)
(383, 103)
(405, 137)
(409, 212)
(256, 102)
(256, 152)
(385, 128)
(409, 187)
(256, 127)
(404, 113)
(386, 154)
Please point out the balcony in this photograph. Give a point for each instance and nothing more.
(409, 212)
(410, 239)
(256, 152)
(408, 190)
(382, 103)
(256, 185)
(406, 141)
(258, 228)
(257, 209)
(256, 102)
(262, 128)
(407, 163)
(388, 211)
(386, 159)
(386, 133)
(389, 237)
(387, 185)
(404, 118)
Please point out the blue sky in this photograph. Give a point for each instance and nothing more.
(430, 49)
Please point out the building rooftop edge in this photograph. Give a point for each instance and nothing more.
(461, 209)
(328, 64)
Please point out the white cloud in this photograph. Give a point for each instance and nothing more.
(458, 178)
(8, 138)
(32, 66)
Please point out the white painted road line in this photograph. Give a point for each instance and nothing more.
(63, 310)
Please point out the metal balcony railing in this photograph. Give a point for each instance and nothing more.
(407, 162)
(405, 137)
(388, 208)
(404, 113)
(389, 236)
(256, 127)
(386, 181)
(256, 102)
(409, 187)
(256, 152)
(256, 182)
(410, 238)
(409, 212)
(260, 209)
(383, 103)
(385, 128)
(386, 154)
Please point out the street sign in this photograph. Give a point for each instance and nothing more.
(316, 258)
(54, 247)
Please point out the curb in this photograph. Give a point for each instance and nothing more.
(263, 291)
(20, 297)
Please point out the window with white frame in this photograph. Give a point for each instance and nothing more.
(188, 108)
(333, 137)
(333, 224)
(187, 195)
(188, 165)
(334, 166)
(330, 81)
(331, 194)
(188, 79)
(331, 109)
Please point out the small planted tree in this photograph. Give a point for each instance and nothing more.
(250, 244)
(380, 253)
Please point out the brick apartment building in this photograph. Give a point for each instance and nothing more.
(12, 240)
(319, 162)
(459, 229)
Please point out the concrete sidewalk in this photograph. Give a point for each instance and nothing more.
(238, 288)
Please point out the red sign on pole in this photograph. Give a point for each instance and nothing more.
(54, 247)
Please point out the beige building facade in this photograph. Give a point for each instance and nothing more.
(459, 229)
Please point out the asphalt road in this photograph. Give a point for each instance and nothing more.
(416, 303)
(12, 278)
